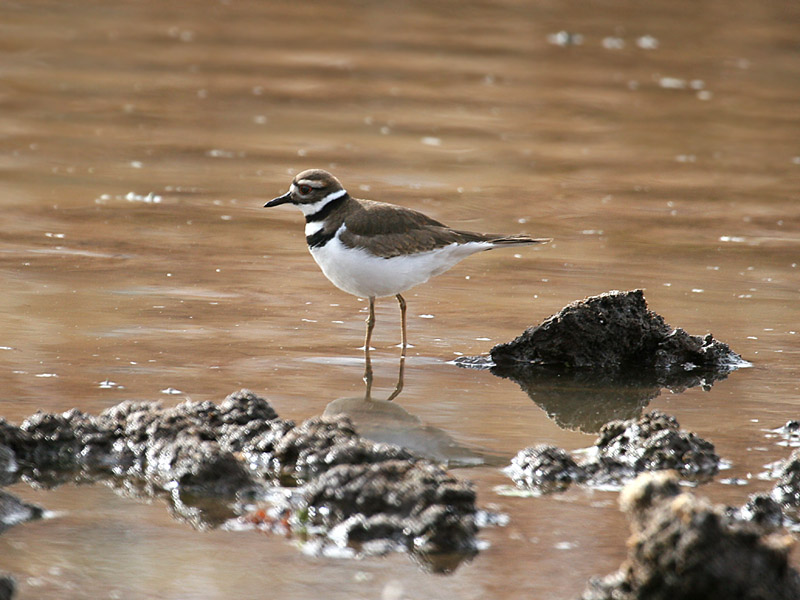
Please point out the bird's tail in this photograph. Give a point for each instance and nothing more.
(517, 240)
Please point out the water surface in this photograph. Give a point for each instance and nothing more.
(657, 145)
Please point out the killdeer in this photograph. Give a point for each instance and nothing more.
(373, 249)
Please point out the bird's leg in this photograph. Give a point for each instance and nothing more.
(370, 324)
(399, 387)
(367, 374)
(367, 361)
(404, 340)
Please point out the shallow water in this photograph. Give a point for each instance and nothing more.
(140, 140)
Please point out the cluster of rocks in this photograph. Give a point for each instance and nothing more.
(610, 355)
(682, 547)
(623, 450)
(595, 365)
(240, 449)
(786, 491)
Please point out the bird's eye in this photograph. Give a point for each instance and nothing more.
(304, 189)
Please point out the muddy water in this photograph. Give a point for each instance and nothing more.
(657, 144)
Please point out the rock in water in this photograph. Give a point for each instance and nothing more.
(614, 333)
(624, 449)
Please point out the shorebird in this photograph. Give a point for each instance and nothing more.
(374, 249)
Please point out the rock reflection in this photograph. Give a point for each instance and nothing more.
(604, 358)
(586, 400)
(575, 401)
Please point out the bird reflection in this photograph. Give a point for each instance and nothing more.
(368, 375)
(387, 422)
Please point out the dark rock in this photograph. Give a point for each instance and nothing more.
(259, 447)
(298, 453)
(417, 505)
(8, 465)
(7, 586)
(244, 407)
(605, 357)
(190, 445)
(195, 464)
(761, 509)
(206, 460)
(623, 450)
(319, 444)
(787, 489)
(683, 548)
(14, 511)
(544, 468)
(655, 442)
(56, 441)
(245, 418)
(615, 333)
(786, 492)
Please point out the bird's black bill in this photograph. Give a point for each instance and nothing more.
(287, 197)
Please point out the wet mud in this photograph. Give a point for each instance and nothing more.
(623, 450)
(214, 463)
(683, 547)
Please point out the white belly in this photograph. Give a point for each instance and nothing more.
(357, 272)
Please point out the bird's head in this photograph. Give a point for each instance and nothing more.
(310, 188)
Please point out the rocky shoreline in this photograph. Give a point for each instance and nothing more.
(215, 464)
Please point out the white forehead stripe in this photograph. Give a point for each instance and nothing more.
(311, 183)
(310, 209)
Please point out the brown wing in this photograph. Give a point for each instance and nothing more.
(389, 230)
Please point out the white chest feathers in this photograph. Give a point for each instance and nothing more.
(358, 272)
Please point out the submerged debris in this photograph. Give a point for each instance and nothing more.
(683, 548)
(623, 450)
(348, 491)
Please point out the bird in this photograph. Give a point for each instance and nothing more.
(374, 249)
